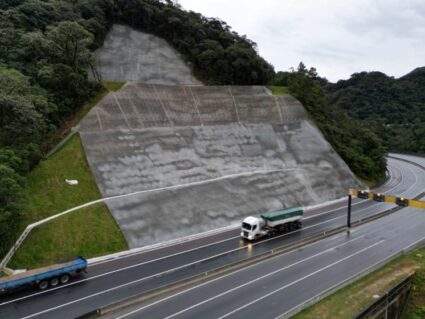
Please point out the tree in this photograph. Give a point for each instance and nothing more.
(69, 44)
(20, 121)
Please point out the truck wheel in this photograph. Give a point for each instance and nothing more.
(43, 285)
(54, 282)
(64, 279)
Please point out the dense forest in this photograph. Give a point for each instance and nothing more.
(393, 108)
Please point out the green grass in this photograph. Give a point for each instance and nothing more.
(350, 300)
(370, 184)
(113, 86)
(90, 232)
(279, 90)
(108, 86)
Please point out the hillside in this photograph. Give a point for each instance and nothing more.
(393, 108)
(46, 57)
(205, 157)
(45, 82)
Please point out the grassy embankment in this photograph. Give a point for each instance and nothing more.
(88, 232)
(278, 90)
(352, 299)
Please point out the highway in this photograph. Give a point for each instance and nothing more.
(111, 281)
(271, 288)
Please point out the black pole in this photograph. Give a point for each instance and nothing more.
(349, 214)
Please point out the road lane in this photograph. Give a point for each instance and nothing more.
(111, 281)
(272, 287)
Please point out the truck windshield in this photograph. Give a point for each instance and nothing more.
(246, 226)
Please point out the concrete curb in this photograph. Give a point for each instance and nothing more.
(177, 241)
(131, 252)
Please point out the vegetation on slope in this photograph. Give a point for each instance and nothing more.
(361, 149)
(393, 108)
(88, 232)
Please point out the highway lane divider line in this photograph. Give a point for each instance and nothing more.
(207, 276)
(356, 222)
(303, 278)
(285, 249)
(165, 257)
(240, 286)
(168, 256)
(219, 272)
(155, 293)
(309, 302)
(121, 286)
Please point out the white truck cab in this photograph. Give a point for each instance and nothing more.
(272, 223)
(252, 227)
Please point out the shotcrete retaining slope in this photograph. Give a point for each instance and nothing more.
(133, 56)
(260, 152)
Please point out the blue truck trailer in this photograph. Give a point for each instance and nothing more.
(44, 277)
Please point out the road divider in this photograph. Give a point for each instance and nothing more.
(166, 290)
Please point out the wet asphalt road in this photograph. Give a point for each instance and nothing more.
(111, 281)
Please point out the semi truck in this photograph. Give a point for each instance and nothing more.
(44, 277)
(272, 223)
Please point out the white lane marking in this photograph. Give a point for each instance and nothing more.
(119, 270)
(413, 185)
(190, 289)
(301, 279)
(386, 259)
(193, 249)
(141, 279)
(185, 265)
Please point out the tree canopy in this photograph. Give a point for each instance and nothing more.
(393, 108)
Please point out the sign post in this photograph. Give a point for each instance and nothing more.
(349, 213)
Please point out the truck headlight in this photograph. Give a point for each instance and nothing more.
(241, 233)
(249, 237)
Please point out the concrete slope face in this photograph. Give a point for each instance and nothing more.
(133, 56)
(205, 157)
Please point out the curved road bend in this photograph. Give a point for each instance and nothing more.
(111, 281)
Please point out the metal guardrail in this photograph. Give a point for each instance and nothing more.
(389, 305)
